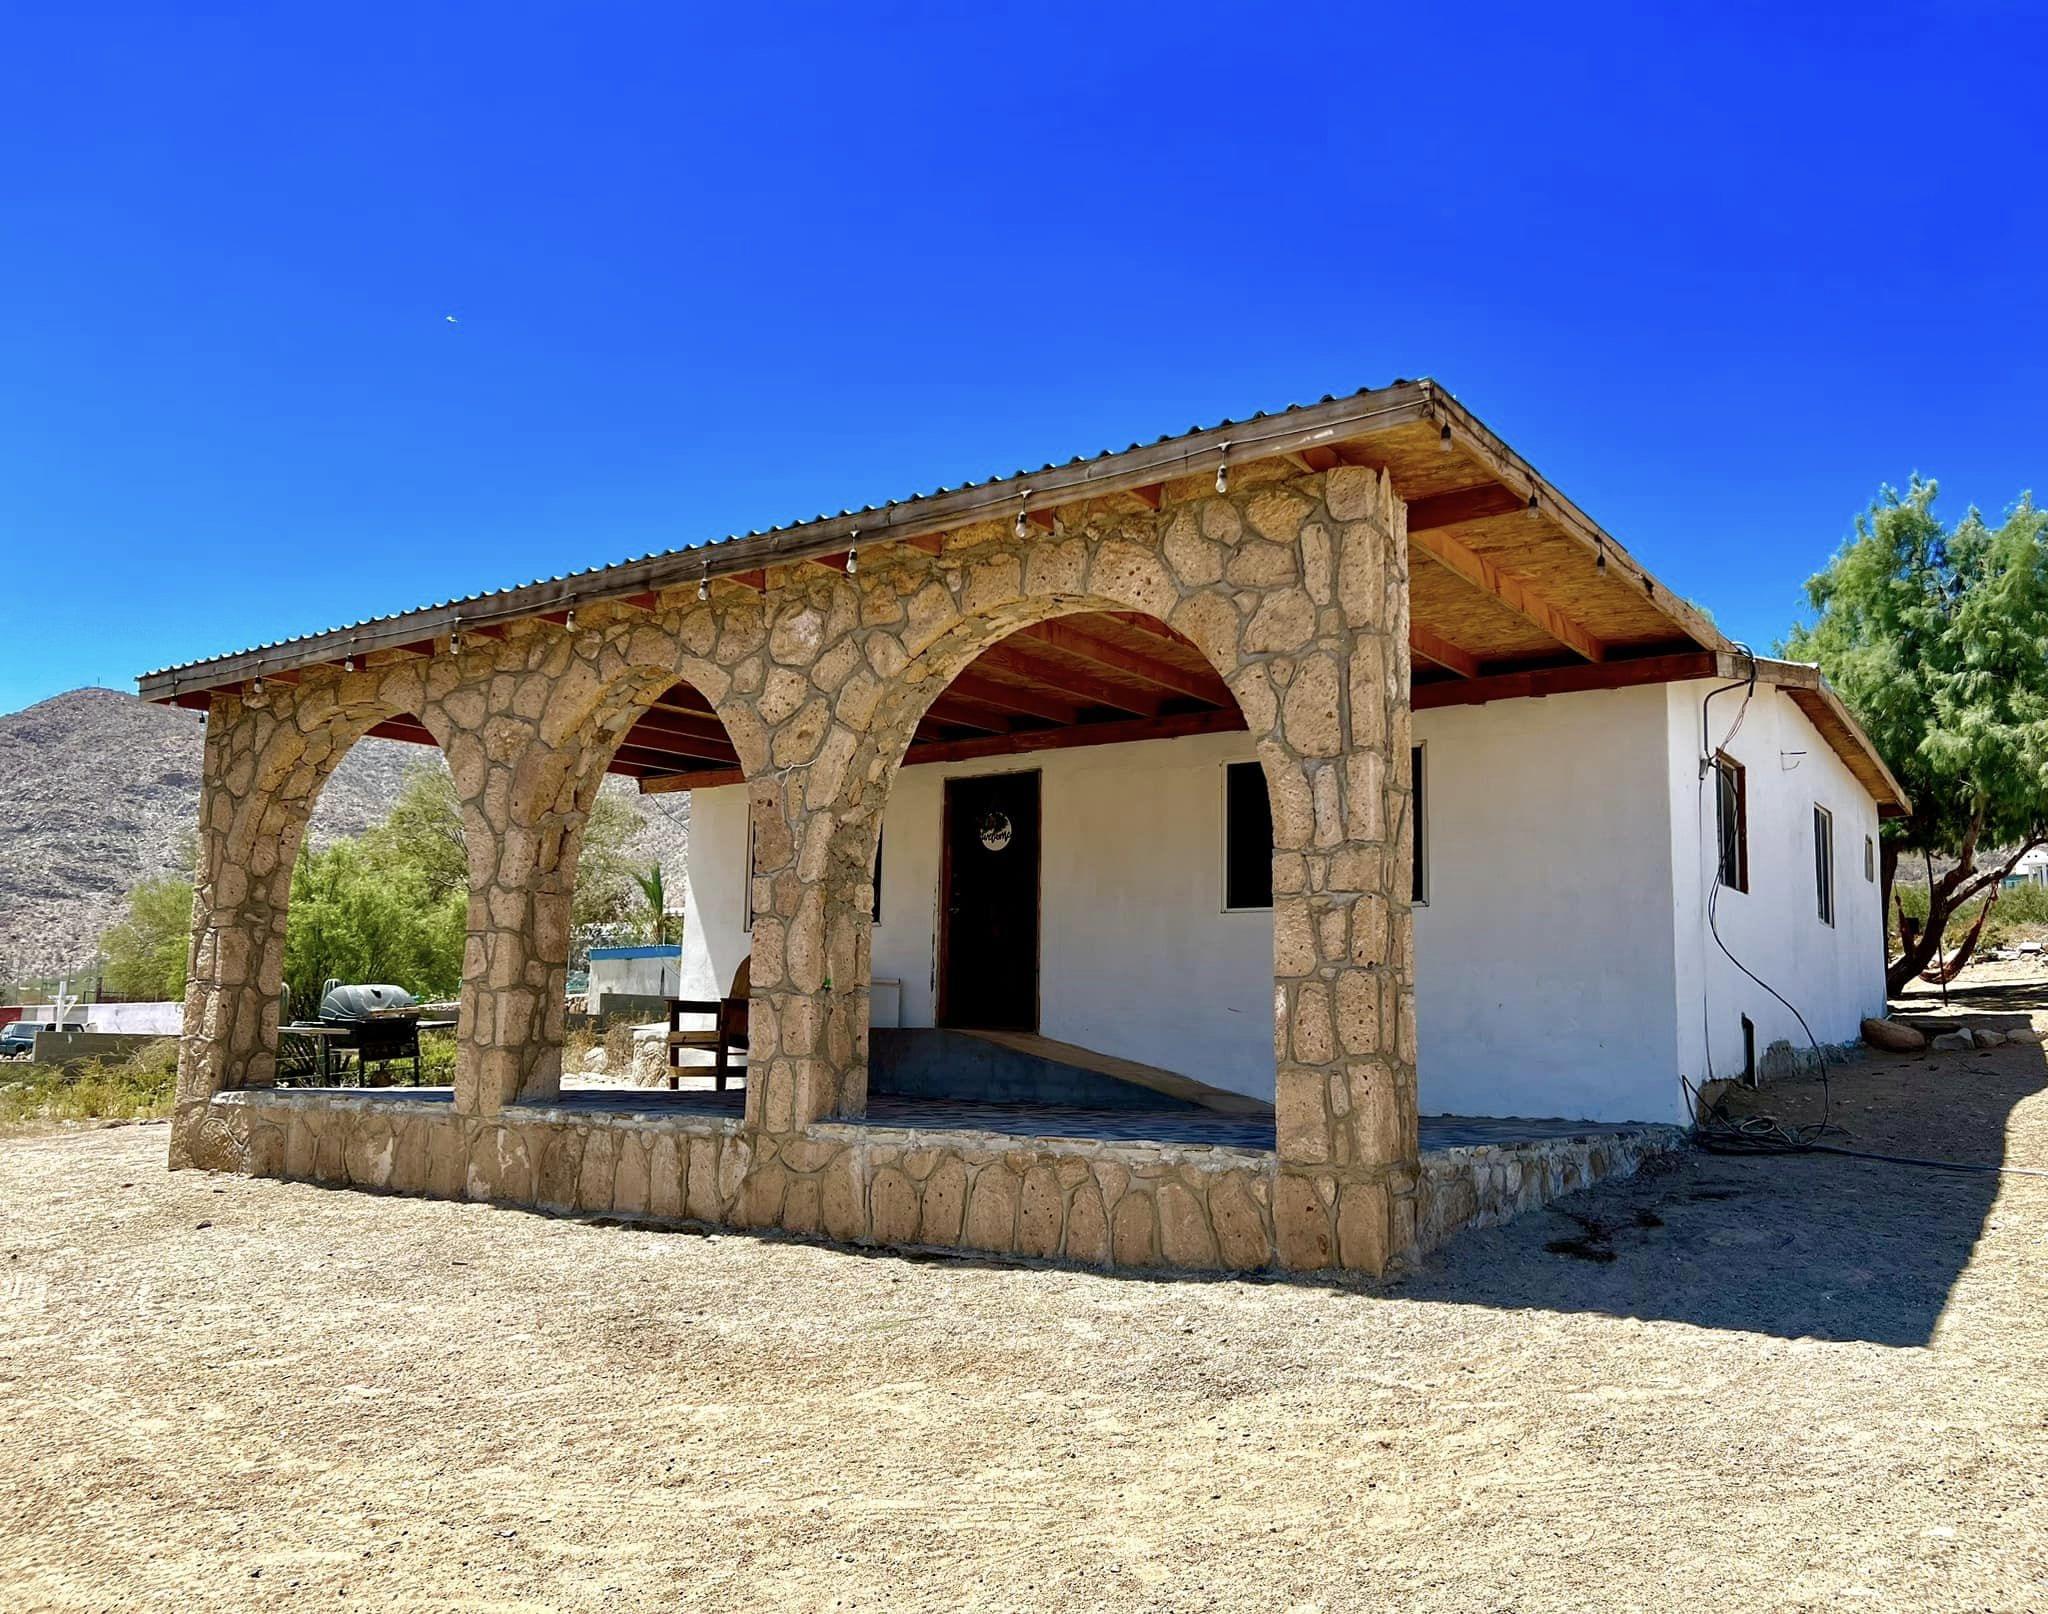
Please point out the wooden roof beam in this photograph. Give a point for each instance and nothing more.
(1002, 745)
(1435, 647)
(1512, 592)
(1465, 504)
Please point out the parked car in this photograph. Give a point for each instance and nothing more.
(18, 1038)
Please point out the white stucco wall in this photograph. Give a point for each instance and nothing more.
(1833, 974)
(1137, 956)
(1561, 952)
(651, 974)
(1543, 954)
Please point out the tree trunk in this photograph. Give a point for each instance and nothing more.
(1961, 956)
(1944, 897)
(1940, 904)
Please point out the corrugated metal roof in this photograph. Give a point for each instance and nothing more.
(731, 538)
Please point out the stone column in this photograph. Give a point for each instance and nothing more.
(1343, 956)
(265, 759)
(808, 694)
(527, 756)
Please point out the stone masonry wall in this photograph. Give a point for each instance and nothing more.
(1293, 585)
(1112, 1206)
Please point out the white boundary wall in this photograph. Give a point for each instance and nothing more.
(1560, 952)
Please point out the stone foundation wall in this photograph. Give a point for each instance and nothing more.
(1486, 1184)
(1114, 1206)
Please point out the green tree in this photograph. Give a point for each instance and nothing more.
(1937, 638)
(388, 905)
(360, 914)
(423, 831)
(654, 897)
(146, 950)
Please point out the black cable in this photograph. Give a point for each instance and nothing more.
(1716, 1128)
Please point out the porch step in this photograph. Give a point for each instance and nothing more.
(1014, 1067)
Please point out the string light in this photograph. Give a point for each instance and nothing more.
(1600, 556)
(1022, 524)
(1223, 471)
(853, 552)
(569, 621)
(1443, 439)
(704, 584)
(348, 664)
(1533, 511)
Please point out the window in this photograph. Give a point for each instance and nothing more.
(1247, 837)
(1731, 815)
(1824, 862)
(1870, 860)
(1418, 873)
(749, 882)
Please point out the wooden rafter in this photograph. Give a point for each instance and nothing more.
(1080, 686)
(1013, 698)
(1512, 592)
(1086, 646)
(1435, 647)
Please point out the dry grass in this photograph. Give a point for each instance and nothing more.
(137, 1088)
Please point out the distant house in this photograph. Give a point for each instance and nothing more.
(2032, 869)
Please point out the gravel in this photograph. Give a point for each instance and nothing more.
(1804, 1383)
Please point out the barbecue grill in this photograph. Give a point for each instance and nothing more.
(371, 1022)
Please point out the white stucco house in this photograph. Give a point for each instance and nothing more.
(1568, 879)
(2032, 869)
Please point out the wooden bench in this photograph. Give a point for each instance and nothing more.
(724, 1037)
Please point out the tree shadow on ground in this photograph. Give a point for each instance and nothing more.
(1801, 1246)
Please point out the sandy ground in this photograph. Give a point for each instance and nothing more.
(1744, 1383)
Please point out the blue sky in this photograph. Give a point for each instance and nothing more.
(1719, 274)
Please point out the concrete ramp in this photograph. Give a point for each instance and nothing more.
(1017, 1067)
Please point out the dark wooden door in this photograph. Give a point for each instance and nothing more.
(988, 936)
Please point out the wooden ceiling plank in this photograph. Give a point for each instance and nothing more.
(1512, 592)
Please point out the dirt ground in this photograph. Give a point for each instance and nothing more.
(1788, 1383)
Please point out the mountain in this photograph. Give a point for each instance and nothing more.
(99, 790)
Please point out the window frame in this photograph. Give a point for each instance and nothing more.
(1731, 783)
(1224, 895)
(1824, 864)
(1869, 860)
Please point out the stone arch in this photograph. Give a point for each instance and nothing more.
(269, 751)
(1293, 588)
(541, 718)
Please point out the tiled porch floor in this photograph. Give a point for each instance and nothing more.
(1186, 1127)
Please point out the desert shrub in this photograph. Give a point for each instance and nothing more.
(136, 1088)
